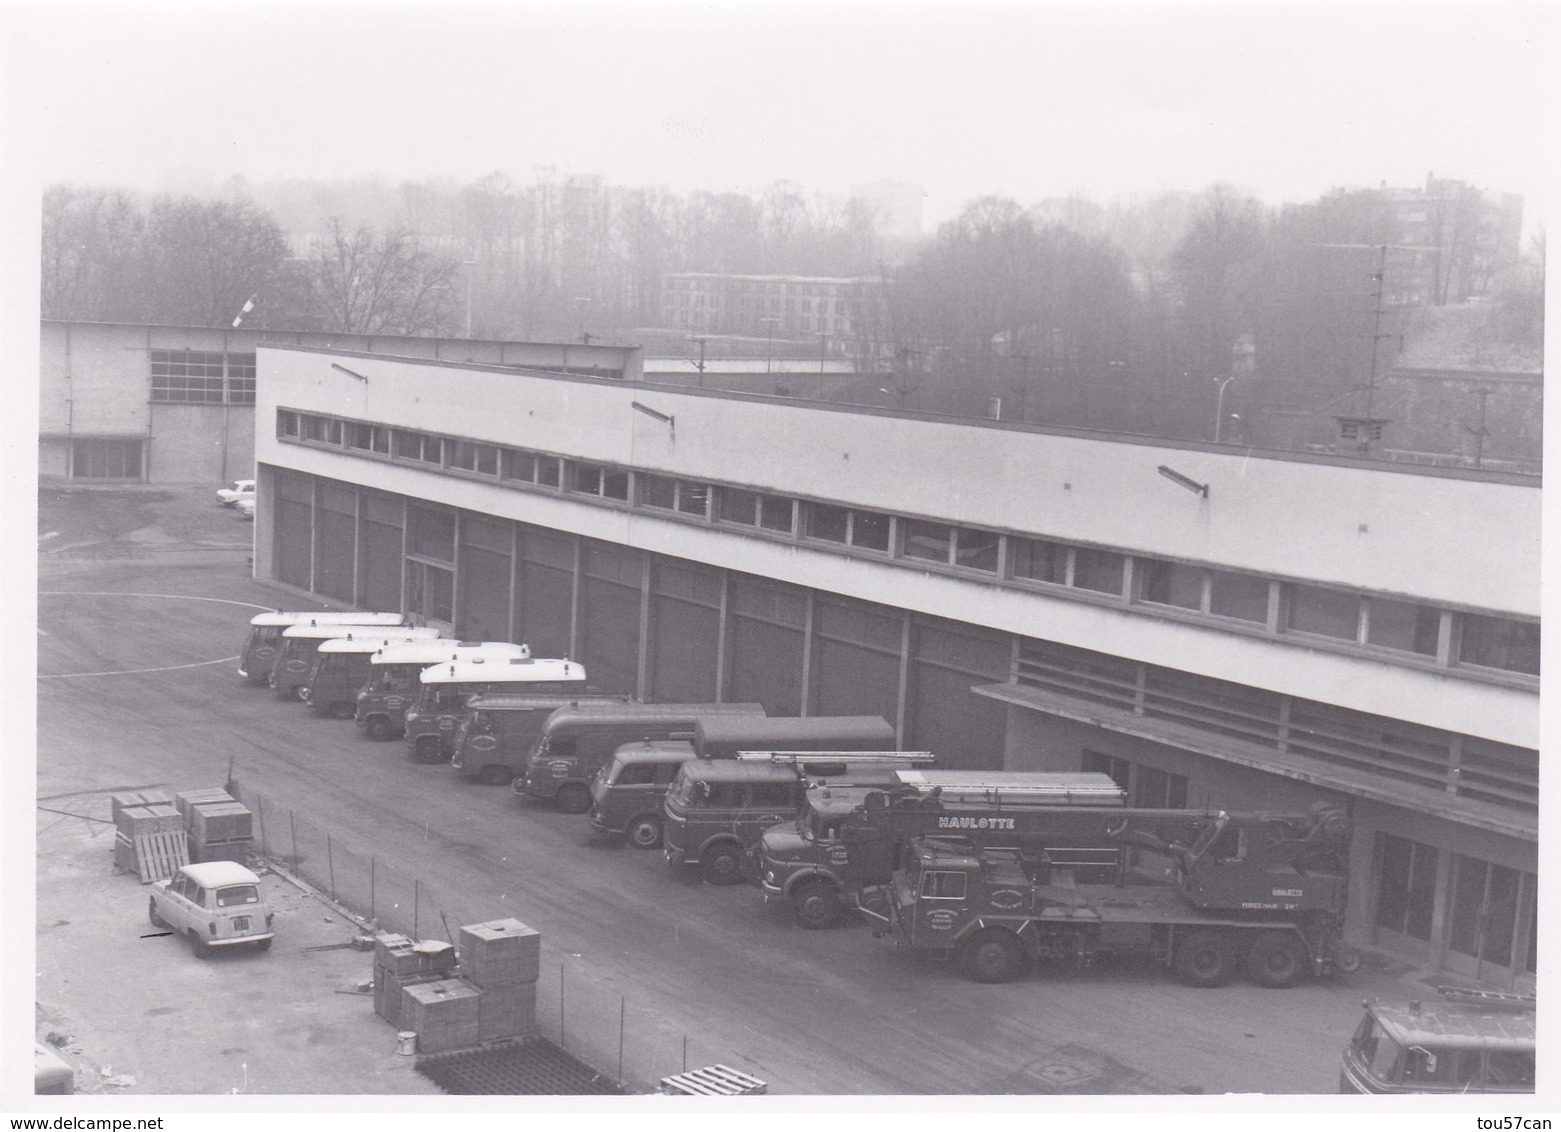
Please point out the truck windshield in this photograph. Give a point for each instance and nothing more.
(682, 793)
(1377, 1051)
(391, 680)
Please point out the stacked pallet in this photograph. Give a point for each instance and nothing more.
(444, 1014)
(219, 827)
(502, 959)
(399, 962)
(148, 835)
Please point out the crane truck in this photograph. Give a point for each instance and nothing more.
(845, 837)
(1261, 890)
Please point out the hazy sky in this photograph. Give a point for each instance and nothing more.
(1022, 99)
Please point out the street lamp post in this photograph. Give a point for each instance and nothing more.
(769, 321)
(469, 264)
(1219, 406)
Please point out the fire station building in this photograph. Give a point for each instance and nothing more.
(1210, 625)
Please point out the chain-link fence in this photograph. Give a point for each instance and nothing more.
(629, 1042)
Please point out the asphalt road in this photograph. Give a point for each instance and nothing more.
(144, 606)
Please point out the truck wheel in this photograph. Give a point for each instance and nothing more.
(992, 955)
(429, 751)
(815, 904)
(380, 729)
(495, 774)
(1346, 959)
(198, 946)
(265, 944)
(151, 914)
(1203, 959)
(1276, 959)
(341, 709)
(722, 864)
(572, 798)
(644, 831)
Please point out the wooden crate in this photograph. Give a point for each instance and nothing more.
(187, 800)
(220, 821)
(500, 953)
(117, 802)
(156, 817)
(507, 1012)
(444, 1014)
(238, 849)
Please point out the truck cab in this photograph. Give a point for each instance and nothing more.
(1462, 1041)
(393, 685)
(300, 644)
(717, 809)
(341, 667)
(258, 655)
(576, 743)
(499, 729)
(629, 792)
(432, 722)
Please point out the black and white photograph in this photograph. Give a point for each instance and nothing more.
(697, 562)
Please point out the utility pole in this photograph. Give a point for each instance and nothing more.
(700, 364)
(769, 341)
(1480, 433)
(469, 264)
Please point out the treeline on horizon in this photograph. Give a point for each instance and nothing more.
(1121, 315)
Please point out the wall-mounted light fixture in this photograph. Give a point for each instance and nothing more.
(664, 418)
(350, 373)
(1185, 481)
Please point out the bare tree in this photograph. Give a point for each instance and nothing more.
(1215, 265)
(91, 247)
(204, 259)
(363, 282)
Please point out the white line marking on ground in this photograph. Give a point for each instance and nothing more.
(172, 597)
(139, 671)
(134, 671)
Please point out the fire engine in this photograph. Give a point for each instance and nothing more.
(848, 836)
(1261, 890)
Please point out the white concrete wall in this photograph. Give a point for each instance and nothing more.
(1442, 539)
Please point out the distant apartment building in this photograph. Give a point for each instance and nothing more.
(1448, 239)
(763, 306)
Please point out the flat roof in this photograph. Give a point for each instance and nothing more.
(377, 639)
(1283, 455)
(444, 649)
(503, 669)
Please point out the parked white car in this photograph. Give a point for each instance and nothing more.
(246, 507)
(212, 904)
(239, 491)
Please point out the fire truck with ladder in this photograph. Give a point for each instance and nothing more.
(1260, 891)
(849, 836)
